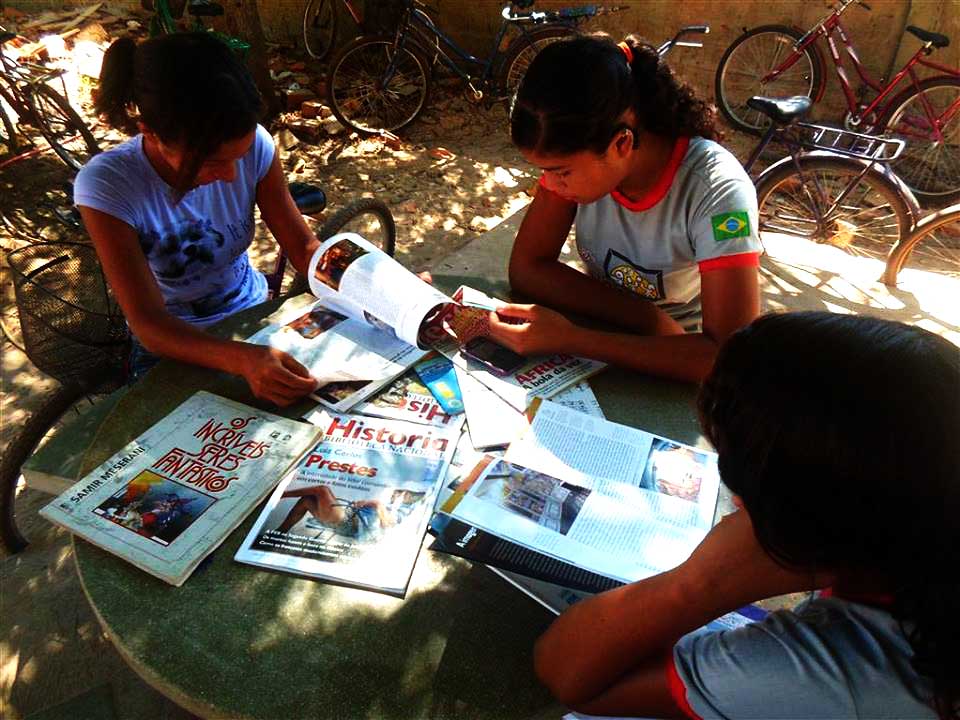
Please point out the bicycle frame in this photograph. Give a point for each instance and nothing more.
(417, 23)
(831, 24)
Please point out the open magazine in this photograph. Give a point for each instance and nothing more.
(611, 499)
(355, 510)
(169, 498)
(373, 319)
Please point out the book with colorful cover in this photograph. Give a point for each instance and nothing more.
(407, 398)
(168, 498)
(355, 510)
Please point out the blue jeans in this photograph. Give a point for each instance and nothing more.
(139, 361)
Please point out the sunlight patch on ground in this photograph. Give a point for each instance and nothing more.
(849, 283)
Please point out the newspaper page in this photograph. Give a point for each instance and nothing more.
(351, 358)
(352, 275)
(494, 422)
(170, 497)
(608, 498)
(355, 510)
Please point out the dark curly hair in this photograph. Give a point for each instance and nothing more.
(188, 88)
(839, 432)
(576, 91)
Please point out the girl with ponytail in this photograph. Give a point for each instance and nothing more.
(666, 219)
(171, 211)
(845, 465)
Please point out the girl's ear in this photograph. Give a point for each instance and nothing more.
(624, 142)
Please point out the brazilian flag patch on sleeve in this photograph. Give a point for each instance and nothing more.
(730, 225)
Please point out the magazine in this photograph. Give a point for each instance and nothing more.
(611, 499)
(170, 497)
(406, 398)
(351, 358)
(540, 376)
(355, 510)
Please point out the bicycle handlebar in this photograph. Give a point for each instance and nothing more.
(676, 42)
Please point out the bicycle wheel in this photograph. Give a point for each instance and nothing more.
(930, 255)
(368, 217)
(521, 52)
(13, 494)
(365, 97)
(751, 57)
(319, 27)
(870, 220)
(63, 128)
(930, 168)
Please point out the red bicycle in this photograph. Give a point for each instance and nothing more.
(783, 61)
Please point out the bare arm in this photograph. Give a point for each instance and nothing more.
(730, 299)
(606, 655)
(280, 213)
(536, 271)
(271, 374)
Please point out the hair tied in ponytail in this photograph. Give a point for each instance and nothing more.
(627, 51)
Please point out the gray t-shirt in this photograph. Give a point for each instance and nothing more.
(830, 658)
(702, 215)
(197, 247)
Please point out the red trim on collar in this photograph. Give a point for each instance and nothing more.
(747, 259)
(881, 600)
(658, 191)
(678, 691)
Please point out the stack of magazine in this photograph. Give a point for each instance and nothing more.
(356, 481)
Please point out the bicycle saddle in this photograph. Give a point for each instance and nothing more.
(935, 39)
(782, 111)
(205, 8)
(6, 35)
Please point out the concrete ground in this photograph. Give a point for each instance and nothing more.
(56, 663)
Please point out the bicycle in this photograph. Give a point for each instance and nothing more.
(25, 89)
(931, 253)
(166, 13)
(781, 59)
(320, 25)
(834, 187)
(382, 82)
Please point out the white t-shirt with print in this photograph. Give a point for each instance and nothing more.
(702, 215)
(197, 247)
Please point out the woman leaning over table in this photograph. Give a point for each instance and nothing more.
(666, 219)
(170, 211)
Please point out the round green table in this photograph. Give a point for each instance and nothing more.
(238, 642)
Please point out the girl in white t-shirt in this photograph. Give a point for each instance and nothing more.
(666, 219)
(837, 435)
(170, 211)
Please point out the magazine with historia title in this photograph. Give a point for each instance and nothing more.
(355, 510)
(169, 498)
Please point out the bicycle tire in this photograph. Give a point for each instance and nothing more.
(931, 170)
(804, 80)
(341, 219)
(521, 51)
(319, 28)
(19, 449)
(357, 68)
(71, 121)
(871, 221)
(933, 248)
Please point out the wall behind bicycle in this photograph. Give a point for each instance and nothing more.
(878, 34)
